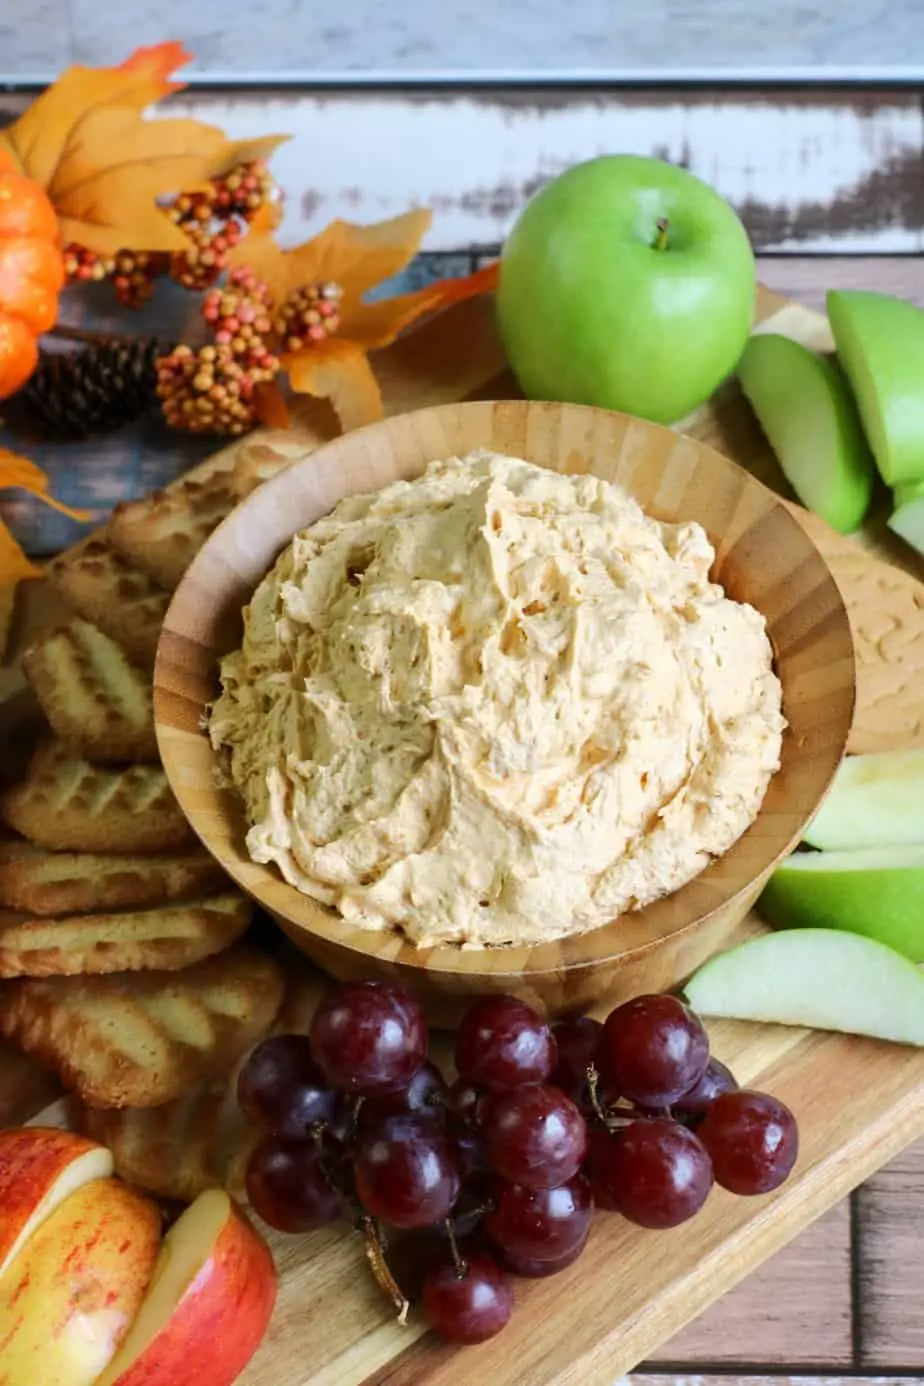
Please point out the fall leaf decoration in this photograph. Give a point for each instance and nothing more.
(106, 168)
(329, 276)
(136, 199)
(14, 565)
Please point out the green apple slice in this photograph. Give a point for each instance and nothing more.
(805, 408)
(907, 491)
(875, 800)
(880, 344)
(817, 977)
(908, 523)
(878, 892)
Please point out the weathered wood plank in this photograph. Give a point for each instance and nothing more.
(807, 278)
(890, 1250)
(661, 38)
(825, 170)
(658, 1378)
(794, 1308)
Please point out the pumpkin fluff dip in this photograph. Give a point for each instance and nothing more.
(496, 705)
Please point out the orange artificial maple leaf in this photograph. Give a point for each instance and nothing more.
(14, 565)
(355, 258)
(104, 166)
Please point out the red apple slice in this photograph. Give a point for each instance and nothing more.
(39, 1168)
(67, 1300)
(214, 1283)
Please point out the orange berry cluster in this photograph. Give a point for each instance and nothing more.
(82, 266)
(309, 315)
(209, 391)
(212, 219)
(200, 265)
(213, 389)
(134, 274)
(238, 314)
(243, 191)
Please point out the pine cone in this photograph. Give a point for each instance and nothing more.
(78, 394)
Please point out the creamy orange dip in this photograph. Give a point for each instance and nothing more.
(496, 704)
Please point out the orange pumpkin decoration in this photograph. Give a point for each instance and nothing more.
(31, 274)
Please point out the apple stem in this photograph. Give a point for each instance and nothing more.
(660, 240)
(375, 1255)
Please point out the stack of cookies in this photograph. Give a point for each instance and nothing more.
(123, 954)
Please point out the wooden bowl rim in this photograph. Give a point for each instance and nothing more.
(571, 953)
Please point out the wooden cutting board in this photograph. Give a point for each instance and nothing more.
(858, 1101)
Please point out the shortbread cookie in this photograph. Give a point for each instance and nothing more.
(163, 532)
(101, 585)
(53, 883)
(95, 699)
(137, 1039)
(66, 804)
(168, 938)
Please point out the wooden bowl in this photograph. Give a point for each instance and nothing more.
(762, 557)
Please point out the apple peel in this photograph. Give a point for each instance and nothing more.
(39, 1168)
(214, 1282)
(820, 978)
(70, 1295)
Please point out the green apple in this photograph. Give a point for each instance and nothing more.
(908, 523)
(880, 344)
(626, 283)
(817, 977)
(878, 892)
(805, 408)
(875, 800)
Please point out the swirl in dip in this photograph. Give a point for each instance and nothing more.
(496, 704)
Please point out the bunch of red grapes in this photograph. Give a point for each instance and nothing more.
(543, 1123)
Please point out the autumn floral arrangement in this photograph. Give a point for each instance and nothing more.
(94, 189)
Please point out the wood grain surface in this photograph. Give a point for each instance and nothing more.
(859, 1103)
(762, 557)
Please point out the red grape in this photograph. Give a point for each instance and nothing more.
(537, 1270)
(282, 1089)
(407, 1171)
(367, 1036)
(654, 1049)
(716, 1080)
(578, 1042)
(424, 1094)
(289, 1187)
(502, 1043)
(468, 1308)
(753, 1139)
(540, 1224)
(655, 1172)
(534, 1135)
(599, 1148)
(471, 1153)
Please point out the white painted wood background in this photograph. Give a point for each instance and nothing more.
(381, 39)
(821, 172)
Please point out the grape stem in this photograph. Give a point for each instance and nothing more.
(460, 1264)
(611, 1119)
(375, 1255)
